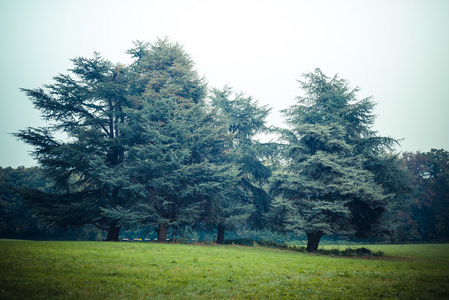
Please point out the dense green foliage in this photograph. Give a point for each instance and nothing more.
(418, 217)
(245, 119)
(86, 107)
(425, 216)
(327, 185)
(17, 220)
(92, 270)
(176, 152)
(144, 146)
(141, 147)
(324, 186)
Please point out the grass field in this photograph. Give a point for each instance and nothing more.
(101, 270)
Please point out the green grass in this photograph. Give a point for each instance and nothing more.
(100, 270)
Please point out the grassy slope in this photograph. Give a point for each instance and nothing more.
(99, 270)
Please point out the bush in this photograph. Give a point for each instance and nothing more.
(351, 252)
(335, 252)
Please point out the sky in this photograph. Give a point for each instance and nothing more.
(394, 50)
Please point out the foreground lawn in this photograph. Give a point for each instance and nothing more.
(101, 270)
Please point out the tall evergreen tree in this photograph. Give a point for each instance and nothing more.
(324, 184)
(330, 139)
(84, 111)
(248, 201)
(174, 163)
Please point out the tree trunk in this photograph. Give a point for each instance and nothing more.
(162, 232)
(220, 233)
(113, 232)
(313, 240)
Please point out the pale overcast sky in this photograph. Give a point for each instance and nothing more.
(394, 50)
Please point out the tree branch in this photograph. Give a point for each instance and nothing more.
(100, 227)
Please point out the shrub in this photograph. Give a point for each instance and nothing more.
(335, 252)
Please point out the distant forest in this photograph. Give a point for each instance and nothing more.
(151, 150)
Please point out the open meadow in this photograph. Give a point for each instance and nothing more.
(133, 270)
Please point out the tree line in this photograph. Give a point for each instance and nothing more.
(148, 145)
(419, 216)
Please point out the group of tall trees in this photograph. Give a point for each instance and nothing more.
(142, 147)
(425, 214)
(147, 145)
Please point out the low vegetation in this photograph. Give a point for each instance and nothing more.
(361, 252)
(99, 270)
